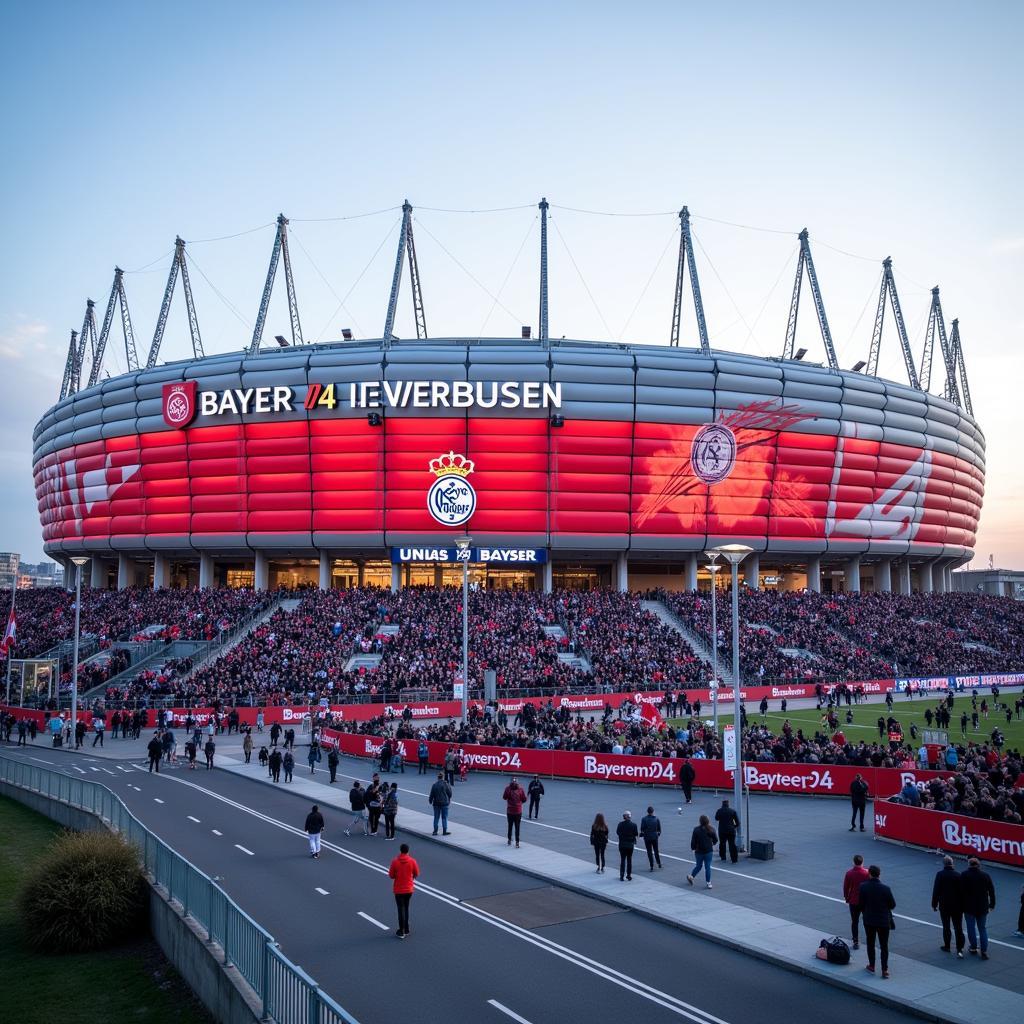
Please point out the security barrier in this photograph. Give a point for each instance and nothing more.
(286, 993)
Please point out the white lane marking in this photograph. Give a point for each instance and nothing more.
(81, 771)
(158, 800)
(136, 788)
(215, 832)
(238, 846)
(121, 768)
(595, 967)
(190, 818)
(372, 920)
(92, 769)
(323, 892)
(40, 760)
(505, 1010)
(107, 770)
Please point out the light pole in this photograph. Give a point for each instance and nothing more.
(463, 543)
(734, 554)
(79, 561)
(713, 567)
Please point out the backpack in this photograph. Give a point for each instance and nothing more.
(835, 949)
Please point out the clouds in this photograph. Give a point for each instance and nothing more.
(25, 339)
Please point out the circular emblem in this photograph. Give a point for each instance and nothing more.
(178, 408)
(713, 453)
(451, 500)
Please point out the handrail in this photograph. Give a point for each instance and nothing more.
(243, 942)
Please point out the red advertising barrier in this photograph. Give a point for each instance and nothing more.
(816, 779)
(990, 840)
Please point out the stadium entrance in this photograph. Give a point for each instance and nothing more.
(481, 576)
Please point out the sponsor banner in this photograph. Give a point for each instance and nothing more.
(936, 830)
(962, 682)
(489, 556)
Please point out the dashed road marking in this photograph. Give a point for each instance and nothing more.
(158, 800)
(505, 1010)
(190, 818)
(323, 892)
(372, 920)
(215, 832)
(238, 846)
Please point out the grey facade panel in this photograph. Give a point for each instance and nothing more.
(696, 415)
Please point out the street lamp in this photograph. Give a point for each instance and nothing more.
(463, 543)
(713, 568)
(80, 561)
(734, 554)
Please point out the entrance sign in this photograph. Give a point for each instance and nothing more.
(489, 556)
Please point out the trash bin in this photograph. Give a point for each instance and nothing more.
(762, 849)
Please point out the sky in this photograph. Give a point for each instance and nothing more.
(885, 129)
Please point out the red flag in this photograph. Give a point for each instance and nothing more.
(652, 716)
(9, 634)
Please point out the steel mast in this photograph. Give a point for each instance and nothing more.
(117, 296)
(958, 361)
(177, 265)
(687, 257)
(805, 260)
(88, 332)
(889, 289)
(937, 326)
(279, 251)
(542, 327)
(406, 244)
(69, 366)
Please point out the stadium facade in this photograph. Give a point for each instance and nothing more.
(569, 463)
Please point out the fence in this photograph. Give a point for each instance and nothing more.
(286, 993)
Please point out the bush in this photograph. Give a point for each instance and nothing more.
(86, 892)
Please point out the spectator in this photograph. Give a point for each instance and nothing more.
(877, 904)
(979, 897)
(851, 894)
(948, 900)
(627, 832)
(650, 830)
(702, 842)
(599, 841)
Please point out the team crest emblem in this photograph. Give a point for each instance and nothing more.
(713, 453)
(451, 499)
(179, 404)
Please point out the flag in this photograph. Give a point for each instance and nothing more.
(9, 634)
(651, 716)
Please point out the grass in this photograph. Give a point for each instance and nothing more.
(127, 983)
(865, 719)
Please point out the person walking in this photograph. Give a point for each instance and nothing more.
(314, 829)
(536, 791)
(877, 904)
(259, 720)
(451, 765)
(650, 831)
(390, 811)
(403, 872)
(332, 764)
(247, 746)
(514, 797)
(687, 774)
(979, 896)
(155, 750)
(208, 750)
(440, 798)
(702, 842)
(274, 764)
(275, 733)
(948, 900)
(627, 833)
(423, 757)
(858, 801)
(851, 894)
(599, 841)
(357, 801)
(314, 757)
(728, 822)
(374, 804)
(288, 763)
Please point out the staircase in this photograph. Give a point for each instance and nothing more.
(700, 646)
(576, 660)
(370, 661)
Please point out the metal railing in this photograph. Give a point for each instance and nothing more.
(287, 994)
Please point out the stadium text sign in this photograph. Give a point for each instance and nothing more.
(490, 556)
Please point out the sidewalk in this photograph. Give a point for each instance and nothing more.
(921, 989)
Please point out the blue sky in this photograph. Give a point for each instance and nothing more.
(885, 129)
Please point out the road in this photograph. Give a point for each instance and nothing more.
(487, 943)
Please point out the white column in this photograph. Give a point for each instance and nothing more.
(883, 577)
(97, 573)
(69, 573)
(161, 571)
(362, 573)
(124, 571)
(548, 573)
(691, 571)
(621, 573)
(924, 576)
(206, 578)
(903, 576)
(939, 575)
(949, 577)
(396, 577)
(814, 574)
(262, 571)
(752, 571)
(853, 575)
(325, 571)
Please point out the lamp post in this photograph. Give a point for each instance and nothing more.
(463, 543)
(734, 554)
(713, 567)
(80, 561)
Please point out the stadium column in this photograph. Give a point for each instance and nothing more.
(752, 572)
(883, 577)
(161, 571)
(396, 577)
(903, 577)
(924, 577)
(548, 576)
(622, 573)
(206, 577)
(814, 574)
(691, 572)
(853, 575)
(325, 571)
(261, 575)
(97, 573)
(124, 571)
(939, 575)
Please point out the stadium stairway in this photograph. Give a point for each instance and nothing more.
(574, 659)
(699, 645)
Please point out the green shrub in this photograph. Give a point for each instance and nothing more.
(86, 892)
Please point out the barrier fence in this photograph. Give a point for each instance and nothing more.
(287, 994)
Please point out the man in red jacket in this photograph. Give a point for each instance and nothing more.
(514, 797)
(404, 871)
(851, 893)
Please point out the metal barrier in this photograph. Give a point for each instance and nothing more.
(287, 994)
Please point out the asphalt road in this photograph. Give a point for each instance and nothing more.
(335, 918)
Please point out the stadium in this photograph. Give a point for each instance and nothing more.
(571, 464)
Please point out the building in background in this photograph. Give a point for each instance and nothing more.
(9, 564)
(997, 582)
(43, 574)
